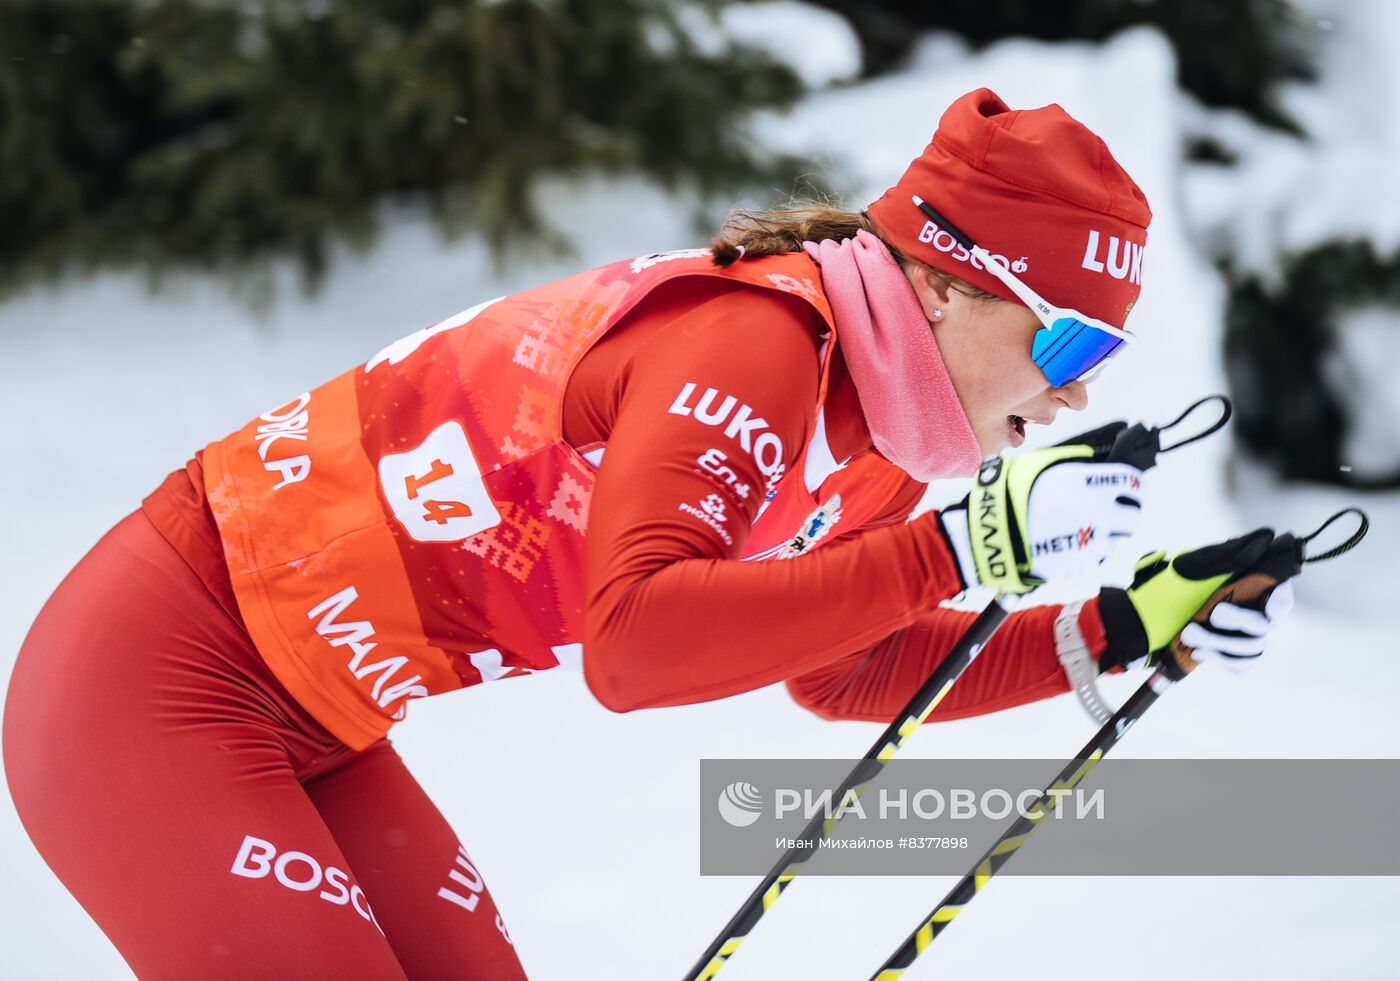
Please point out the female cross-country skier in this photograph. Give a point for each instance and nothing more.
(688, 475)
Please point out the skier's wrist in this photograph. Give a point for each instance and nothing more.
(1125, 639)
(1091, 628)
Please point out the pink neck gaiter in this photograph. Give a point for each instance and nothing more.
(910, 407)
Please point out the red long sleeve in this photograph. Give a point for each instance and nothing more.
(1019, 665)
(671, 617)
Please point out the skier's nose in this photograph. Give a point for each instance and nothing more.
(1072, 395)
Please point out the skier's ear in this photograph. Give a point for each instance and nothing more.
(931, 288)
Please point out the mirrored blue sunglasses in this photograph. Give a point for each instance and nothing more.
(1071, 346)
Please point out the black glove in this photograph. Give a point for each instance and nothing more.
(1214, 603)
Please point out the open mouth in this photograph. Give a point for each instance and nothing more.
(1016, 427)
(1015, 431)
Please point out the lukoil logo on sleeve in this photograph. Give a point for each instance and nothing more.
(750, 431)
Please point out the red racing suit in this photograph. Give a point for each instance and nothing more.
(213, 681)
(418, 523)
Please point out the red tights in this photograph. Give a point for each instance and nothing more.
(209, 825)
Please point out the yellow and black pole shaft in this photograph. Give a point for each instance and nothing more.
(1284, 560)
(890, 742)
(1006, 846)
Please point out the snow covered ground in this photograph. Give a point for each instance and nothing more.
(586, 828)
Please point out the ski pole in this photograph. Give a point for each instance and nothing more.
(1139, 444)
(1250, 587)
(890, 742)
(1005, 846)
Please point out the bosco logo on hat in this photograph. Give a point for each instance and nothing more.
(1035, 188)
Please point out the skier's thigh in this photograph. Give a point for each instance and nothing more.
(427, 891)
(154, 771)
(214, 872)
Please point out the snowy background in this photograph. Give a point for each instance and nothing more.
(594, 861)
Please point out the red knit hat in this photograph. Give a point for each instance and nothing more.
(1036, 189)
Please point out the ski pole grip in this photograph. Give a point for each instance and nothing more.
(1250, 590)
(1282, 561)
(1136, 446)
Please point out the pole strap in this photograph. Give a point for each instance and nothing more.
(1226, 410)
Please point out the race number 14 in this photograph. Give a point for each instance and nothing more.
(435, 489)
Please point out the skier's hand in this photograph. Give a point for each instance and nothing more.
(1234, 634)
(1049, 513)
(1217, 603)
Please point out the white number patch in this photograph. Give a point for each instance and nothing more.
(436, 491)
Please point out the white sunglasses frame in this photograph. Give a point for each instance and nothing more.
(1047, 312)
